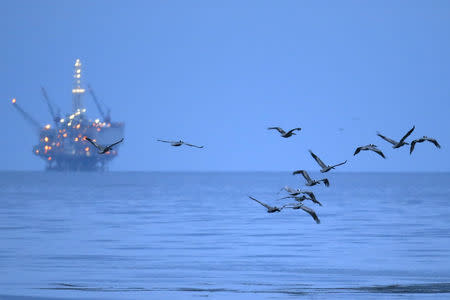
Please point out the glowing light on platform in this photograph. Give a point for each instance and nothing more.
(65, 135)
(86, 149)
(46, 139)
(97, 120)
(78, 126)
(47, 127)
(49, 158)
(62, 120)
(13, 101)
(75, 139)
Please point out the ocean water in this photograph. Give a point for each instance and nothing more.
(196, 235)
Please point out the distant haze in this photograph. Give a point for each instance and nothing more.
(218, 73)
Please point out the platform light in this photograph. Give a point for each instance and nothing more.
(46, 139)
(65, 135)
(13, 100)
(97, 120)
(47, 127)
(71, 117)
(49, 158)
(62, 120)
(86, 149)
(78, 126)
(75, 139)
(37, 151)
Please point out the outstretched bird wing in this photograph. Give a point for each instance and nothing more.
(118, 142)
(288, 189)
(315, 201)
(339, 164)
(387, 139)
(358, 150)
(279, 129)
(311, 212)
(318, 160)
(311, 195)
(434, 142)
(407, 134)
(193, 145)
(325, 181)
(165, 141)
(263, 204)
(290, 131)
(413, 144)
(378, 151)
(94, 143)
(304, 173)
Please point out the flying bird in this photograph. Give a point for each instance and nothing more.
(291, 191)
(179, 143)
(421, 140)
(102, 149)
(284, 133)
(270, 209)
(302, 198)
(370, 147)
(296, 192)
(399, 143)
(307, 209)
(309, 181)
(325, 168)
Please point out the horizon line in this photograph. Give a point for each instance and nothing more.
(210, 171)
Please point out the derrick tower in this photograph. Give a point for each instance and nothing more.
(77, 90)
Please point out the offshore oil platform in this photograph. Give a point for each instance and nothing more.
(62, 145)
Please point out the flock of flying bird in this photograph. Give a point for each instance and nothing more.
(300, 195)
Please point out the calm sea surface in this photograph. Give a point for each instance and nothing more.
(196, 235)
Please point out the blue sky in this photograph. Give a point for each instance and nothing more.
(219, 73)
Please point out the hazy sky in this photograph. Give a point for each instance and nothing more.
(219, 73)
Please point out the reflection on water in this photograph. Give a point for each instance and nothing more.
(183, 235)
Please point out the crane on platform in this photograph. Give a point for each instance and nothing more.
(26, 115)
(106, 117)
(55, 116)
